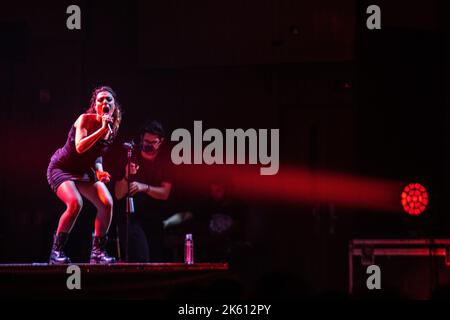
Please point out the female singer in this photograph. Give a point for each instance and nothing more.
(76, 170)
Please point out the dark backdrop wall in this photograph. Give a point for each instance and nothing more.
(346, 99)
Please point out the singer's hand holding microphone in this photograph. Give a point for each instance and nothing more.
(107, 119)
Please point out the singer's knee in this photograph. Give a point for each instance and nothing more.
(106, 206)
(108, 203)
(74, 205)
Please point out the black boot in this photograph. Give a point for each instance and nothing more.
(57, 256)
(98, 253)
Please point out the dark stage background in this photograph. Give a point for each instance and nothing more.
(366, 103)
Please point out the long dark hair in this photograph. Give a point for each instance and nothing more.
(117, 114)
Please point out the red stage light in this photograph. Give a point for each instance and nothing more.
(414, 199)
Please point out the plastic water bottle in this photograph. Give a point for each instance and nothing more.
(189, 249)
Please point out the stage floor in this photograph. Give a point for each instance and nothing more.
(116, 281)
(111, 268)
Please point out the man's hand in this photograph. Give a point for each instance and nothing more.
(103, 176)
(136, 187)
(133, 168)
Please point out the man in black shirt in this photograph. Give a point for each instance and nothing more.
(150, 187)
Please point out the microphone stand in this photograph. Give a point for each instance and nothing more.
(129, 203)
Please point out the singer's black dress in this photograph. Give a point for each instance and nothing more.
(67, 164)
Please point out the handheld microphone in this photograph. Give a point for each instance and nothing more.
(106, 110)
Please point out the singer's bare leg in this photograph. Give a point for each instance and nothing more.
(100, 197)
(69, 194)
